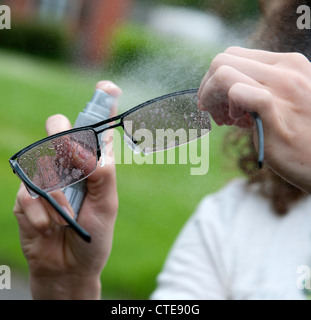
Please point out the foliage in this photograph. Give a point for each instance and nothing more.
(230, 10)
(184, 3)
(132, 43)
(234, 10)
(38, 39)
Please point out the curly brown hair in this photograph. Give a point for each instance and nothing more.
(277, 32)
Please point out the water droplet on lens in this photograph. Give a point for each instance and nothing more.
(76, 173)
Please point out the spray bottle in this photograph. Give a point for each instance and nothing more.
(98, 109)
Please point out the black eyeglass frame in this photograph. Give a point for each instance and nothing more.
(102, 127)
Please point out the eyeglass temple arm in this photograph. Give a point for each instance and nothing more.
(72, 223)
(261, 153)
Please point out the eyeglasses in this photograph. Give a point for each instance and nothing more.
(67, 158)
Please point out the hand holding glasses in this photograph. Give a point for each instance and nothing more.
(66, 158)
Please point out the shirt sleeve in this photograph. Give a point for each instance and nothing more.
(195, 267)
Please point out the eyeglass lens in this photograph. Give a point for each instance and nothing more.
(167, 123)
(62, 161)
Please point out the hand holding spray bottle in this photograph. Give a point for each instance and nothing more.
(98, 109)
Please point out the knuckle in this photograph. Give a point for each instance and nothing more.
(218, 61)
(41, 224)
(299, 81)
(265, 98)
(295, 59)
(222, 73)
(232, 50)
(293, 82)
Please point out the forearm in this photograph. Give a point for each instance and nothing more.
(65, 288)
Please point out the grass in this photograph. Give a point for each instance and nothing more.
(155, 200)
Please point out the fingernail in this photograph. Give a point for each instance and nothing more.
(106, 85)
(110, 85)
(110, 88)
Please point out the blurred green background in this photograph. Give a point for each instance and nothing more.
(44, 71)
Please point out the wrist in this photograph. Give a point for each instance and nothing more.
(66, 287)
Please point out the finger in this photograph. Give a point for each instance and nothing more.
(57, 123)
(204, 81)
(259, 100)
(251, 68)
(214, 95)
(61, 199)
(265, 57)
(246, 122)
(31, 214)
(112, 89)
(230, 60)
(102, 189)
(109, 87)
(291, 59)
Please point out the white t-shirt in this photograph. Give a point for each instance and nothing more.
(236, 247)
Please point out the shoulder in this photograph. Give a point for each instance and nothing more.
(234, 189)
(228, 200)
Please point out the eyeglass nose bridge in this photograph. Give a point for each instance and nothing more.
(104, 126)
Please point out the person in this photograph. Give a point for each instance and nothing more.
(235, 246)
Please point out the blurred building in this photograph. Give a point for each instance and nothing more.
(89, 23)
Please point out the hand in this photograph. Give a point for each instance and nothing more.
(277, 87)
(61, 264)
